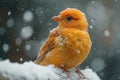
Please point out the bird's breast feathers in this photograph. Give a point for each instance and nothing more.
(72, 47)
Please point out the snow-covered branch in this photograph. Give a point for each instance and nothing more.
(31, 71)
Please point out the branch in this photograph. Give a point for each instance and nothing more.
(31, 71)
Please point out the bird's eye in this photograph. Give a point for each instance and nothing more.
(69, 18)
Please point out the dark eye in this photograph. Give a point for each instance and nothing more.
(69, 18)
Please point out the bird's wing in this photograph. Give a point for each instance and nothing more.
(48, 45)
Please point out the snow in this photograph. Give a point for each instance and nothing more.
(39, 11)
(31, 71)
(26, 32)
(107, 33)
(17, 49)
(10, 22)
(18, 41)
(96, 8)
(118, 51)
(2, 31)
(91, 26)
(28, 47)
(9, 13)
(93, 2)
(21, 59)
(5, 47)
(41, 22)
(28, 16)
(118, 77)
(32, 47)
(98, 64)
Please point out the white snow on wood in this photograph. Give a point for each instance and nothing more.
(31, 71)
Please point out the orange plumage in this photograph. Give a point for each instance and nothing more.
(69, 44)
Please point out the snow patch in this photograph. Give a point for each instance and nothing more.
(31, 71)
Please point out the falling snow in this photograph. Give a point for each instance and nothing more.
(17, 49)
(21, 59)
(39, 11)
(28, 16)
(2, 31)
(98, 12)
(26, 32)
(22, 4)
(92, 21)
(24, 27)
(10, 22)
(107, 33)
(98, 64)
(41, 22)
(9, 13)
(93, 2)
(32, 48)
(28, 47)
(119, 77)
(18, 41)
(5, 47)
(91, 26)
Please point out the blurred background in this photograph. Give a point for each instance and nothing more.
(25, 25)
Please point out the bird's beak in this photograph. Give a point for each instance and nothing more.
(56, 18)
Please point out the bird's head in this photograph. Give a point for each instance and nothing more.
(72, 18)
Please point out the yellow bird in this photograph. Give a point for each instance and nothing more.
(67, 45)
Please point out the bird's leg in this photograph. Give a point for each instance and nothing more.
(68, 73)
(80, 73)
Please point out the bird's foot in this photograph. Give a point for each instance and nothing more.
(67, 72)
(81, 74)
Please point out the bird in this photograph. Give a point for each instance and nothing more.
(69, 44)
